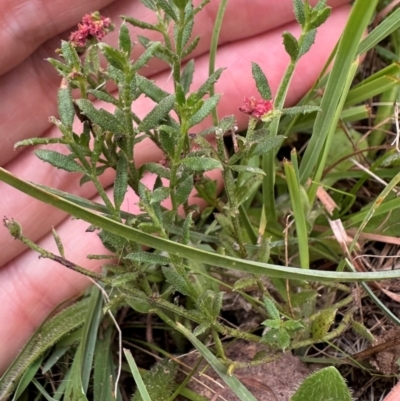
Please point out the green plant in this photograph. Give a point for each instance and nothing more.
(183, 241)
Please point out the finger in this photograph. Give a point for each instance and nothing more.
(21, 34)
(236, 82)
(28, 24)
(30, 288)
(31, 88)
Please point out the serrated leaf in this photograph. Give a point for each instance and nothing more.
(165, 6)
(45, 337)
(124, 40)
(159, 381)
(308, 41)
(115, 57)
(277, 338)
(291, 45)
(217, 304)
(146, 56)
(292, 325)
(178, 282)
(207, 85)
(157, 169)
(149, 4)
(247, 189)
(205, 110)
(201, 163)
(123, 278)
(187, 76)
(273, 324)
(183, 190)
(157, 114)
(319, 17)
(121, 180)
(300, 110)
(38, 141)
(271, 308)
(101, 95)
(147, 257)
(159, 194)
(261, 81)
(59, 160)
(267, 144)
(101, 117)
(150, 89)
(245, 282)
(200, 329)
(70, 55)
(186, 229)
(299, 12)
(322, 323)
(247, 169)
(323, 385)
(65, 106)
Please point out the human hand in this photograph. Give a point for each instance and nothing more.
(30, 288)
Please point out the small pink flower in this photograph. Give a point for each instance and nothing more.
(256, 108)
(92, 26)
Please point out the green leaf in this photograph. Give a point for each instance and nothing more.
(183, 190)
(205, 110)
(186, 228)
(291, 45)
(66, 106)
(45, 337)
(271, 308)
(261, 81)
(141, 393)
(299, 12)
(200, 329)
(159, 194)
(322, 323)
(157, 169)
(247, 189)
(39, 141)
(101, 117)
(105, 96)
(178, 282)
(278, 337)
(308, 41)
(147, 257)
(59, 160)
(265, 144)
(146, 56)
(103, 366)
(70, 55)
(150, 89)
(187, 76)
(124, 40)
(245, 282)
(201, 163)
(115, 57)
(157, 114)
(159, 381)
(323, 385)
(300, 110)
(165, 6)
(181, 4)
(149, 4)
(247, 169)
(208, 84)
(319, 18)
(121, 180)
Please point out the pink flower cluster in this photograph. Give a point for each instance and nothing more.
(256, 108)
(92, 26)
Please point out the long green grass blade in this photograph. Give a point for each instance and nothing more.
(136, 375)
(232, 382)
(346, 53)
(209, 258)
